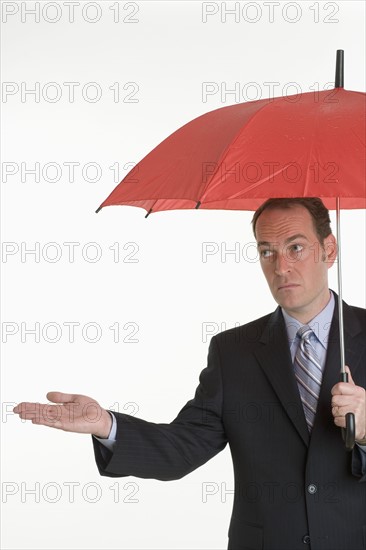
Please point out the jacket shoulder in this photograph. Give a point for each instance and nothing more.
(247, 333)
(359, 311)
(360, 314)
(355, 316)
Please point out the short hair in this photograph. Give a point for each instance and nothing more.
(314, 205)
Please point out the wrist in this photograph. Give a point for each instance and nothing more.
(106, 425)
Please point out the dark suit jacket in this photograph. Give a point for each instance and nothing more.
(290, 489)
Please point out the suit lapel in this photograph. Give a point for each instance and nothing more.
(274, 356)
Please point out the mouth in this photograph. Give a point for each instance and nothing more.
(288, 286)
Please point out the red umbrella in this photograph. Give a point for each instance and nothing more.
(235, 157)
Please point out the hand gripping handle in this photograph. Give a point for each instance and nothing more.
(349, 432)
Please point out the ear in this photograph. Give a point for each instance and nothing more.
(330, 250)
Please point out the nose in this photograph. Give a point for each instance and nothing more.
(282, 264)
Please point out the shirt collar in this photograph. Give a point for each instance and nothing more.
(320, 324)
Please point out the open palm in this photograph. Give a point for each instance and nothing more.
(72, 413)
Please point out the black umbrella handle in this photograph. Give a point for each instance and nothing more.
(349, 432)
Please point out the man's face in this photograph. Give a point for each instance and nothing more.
(294, 262)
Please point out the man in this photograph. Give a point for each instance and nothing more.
(309, 490)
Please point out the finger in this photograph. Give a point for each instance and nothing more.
(350, 379)
(59, 397)
(342, 410)
(38, 411)
(26, 407)
(343, 388)
(55, 397)
(345, 401)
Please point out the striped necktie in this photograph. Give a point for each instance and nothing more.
(308, 373)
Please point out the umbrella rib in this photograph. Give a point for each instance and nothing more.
(310, 151)
(226, 150)
(254, 185)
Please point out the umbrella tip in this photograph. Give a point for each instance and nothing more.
(149, 212)
(97, 210)
(198, 204)
(339, 76)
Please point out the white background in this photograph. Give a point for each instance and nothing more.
(167, 52)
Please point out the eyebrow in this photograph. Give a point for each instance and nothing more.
(288, 240)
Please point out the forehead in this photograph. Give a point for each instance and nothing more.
(281, 223)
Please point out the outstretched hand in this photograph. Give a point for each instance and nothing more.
(347, 397)
(73, 413)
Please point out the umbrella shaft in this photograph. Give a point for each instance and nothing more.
(340, 304)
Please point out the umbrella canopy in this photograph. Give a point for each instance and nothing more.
(310, 144)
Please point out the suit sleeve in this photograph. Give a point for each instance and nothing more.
(359, 462)
(170, 451)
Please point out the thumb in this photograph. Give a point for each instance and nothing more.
(350, 379)
(59, 397)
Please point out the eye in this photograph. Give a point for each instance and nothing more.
(266, 253)
(295, 250)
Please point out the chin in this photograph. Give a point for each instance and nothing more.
(289, 302)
